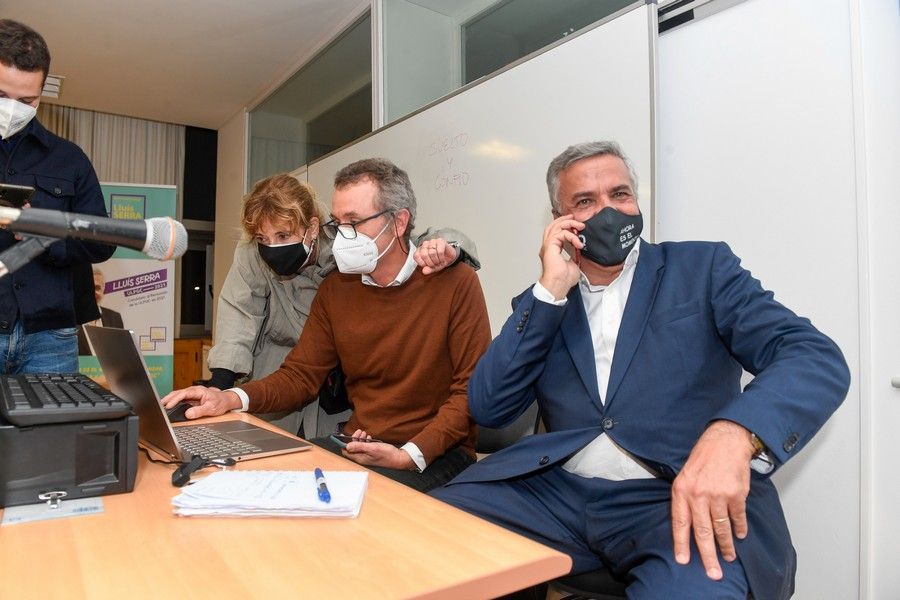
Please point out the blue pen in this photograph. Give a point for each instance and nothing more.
(321, 486)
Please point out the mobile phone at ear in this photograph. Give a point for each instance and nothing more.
(15, 196)
(576, 253)
(342, 439)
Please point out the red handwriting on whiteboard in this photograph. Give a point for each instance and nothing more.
(450, 177)
(451, 142)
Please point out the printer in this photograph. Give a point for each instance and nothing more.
(62, 461)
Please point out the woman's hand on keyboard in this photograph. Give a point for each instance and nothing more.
(210, 401)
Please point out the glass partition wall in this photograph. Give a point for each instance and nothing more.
(433, 47)
(507, 31)
(325, 105)
(426, 50)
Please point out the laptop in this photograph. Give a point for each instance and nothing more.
(127, 375)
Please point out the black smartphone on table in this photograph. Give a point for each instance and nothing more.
(15, 196)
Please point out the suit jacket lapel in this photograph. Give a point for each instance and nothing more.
(644, 286)
(577, 336)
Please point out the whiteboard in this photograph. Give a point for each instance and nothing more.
(477, 160)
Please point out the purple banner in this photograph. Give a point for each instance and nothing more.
(150, 280)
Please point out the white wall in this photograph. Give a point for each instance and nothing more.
(878, 144)
(230, 177)
(756, 140)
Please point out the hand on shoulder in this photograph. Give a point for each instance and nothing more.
(435, 255)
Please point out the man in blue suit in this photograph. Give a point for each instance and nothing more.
(655, 462)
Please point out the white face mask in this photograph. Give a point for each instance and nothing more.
(358, 256)
(14, 116)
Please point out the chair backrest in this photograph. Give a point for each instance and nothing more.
(491, 440)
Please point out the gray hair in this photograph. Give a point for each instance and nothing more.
(578, 152)
(395, 191)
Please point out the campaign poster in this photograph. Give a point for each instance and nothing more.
(134, 291)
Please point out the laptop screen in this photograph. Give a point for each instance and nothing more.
(127, 375)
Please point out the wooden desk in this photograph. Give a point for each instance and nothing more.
(403, 545)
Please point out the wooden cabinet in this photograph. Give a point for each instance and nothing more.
(190, 361)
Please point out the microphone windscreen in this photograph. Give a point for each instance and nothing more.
(166, 238)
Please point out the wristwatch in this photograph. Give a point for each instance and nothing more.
(760, 462)
(459, 251)
(758, 446)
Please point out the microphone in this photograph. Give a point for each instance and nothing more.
(162, 238)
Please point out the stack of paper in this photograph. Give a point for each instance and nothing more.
(273, 493)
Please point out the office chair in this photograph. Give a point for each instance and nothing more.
(593, 585)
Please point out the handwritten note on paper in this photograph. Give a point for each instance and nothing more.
(272, 493)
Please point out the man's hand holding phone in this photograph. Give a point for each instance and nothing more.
(559, 274)
(363, 449)
(15, 196)
(342, 439)
(576, 251)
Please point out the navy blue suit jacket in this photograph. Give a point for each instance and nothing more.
(694, 319)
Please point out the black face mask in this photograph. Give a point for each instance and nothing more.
(285, 260)
(609, 236)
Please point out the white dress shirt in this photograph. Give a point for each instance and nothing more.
(604, 306)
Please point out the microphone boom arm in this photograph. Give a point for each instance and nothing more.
(18, 255)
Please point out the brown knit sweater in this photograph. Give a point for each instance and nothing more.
(407, 352)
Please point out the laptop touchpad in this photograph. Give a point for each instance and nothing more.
(253, 435)
(244, 432)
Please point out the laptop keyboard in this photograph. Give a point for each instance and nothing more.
(44, 398)
(208, 443)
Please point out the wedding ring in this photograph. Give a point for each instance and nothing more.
(722, 520)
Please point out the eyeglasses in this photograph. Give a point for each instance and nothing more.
(347, 230)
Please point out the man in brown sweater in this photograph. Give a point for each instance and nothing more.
(406, 342)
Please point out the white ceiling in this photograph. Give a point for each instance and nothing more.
(193, 62)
